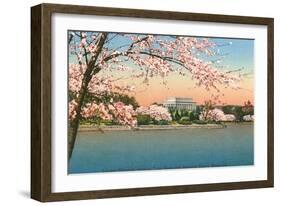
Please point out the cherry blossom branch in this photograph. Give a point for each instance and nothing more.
(237, 70)
(116, 54)
(107, 41)
(70, 38)
(171, 59)
(100, 42)
(84, 48)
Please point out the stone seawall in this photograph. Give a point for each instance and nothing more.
(88, 128)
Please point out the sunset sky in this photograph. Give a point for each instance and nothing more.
(234, 54)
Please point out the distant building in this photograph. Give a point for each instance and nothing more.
(180, 103)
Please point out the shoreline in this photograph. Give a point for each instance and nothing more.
(245, 123)
(89, 128)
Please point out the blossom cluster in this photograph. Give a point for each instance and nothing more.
(97, 85)
(75, 76)
(249, 118)
(124, 114)
(156, 112)
(216, 115)
(96, 110)
(72, 105)
(117, 111)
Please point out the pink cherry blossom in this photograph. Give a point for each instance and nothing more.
(124, 114)
(98, 85)
(96, 110)
(156, 112)
(216, 115)
(72, 105)
(229, 117)
(118, 111)
(248, 118)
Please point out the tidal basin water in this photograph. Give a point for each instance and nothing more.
(162, 149)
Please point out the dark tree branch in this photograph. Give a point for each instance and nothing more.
(171, 59)
(77, 34)
(107, 41)
(237, 70)
(128, 50)
(84, 48)
(70, 38)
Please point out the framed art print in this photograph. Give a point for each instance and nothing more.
(132, 102)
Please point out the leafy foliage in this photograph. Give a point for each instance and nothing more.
(239, 111)
(143, 119)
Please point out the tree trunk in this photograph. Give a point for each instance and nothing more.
(90, 71)
(72, 132)
(74, 124)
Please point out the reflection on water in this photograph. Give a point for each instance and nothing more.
(162, 149)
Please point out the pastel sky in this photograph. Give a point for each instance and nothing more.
(234, 54)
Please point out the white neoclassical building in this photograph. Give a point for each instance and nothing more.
(180, 103)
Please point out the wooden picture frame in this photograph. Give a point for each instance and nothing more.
(41, 96)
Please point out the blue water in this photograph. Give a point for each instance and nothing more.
(162, 149)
